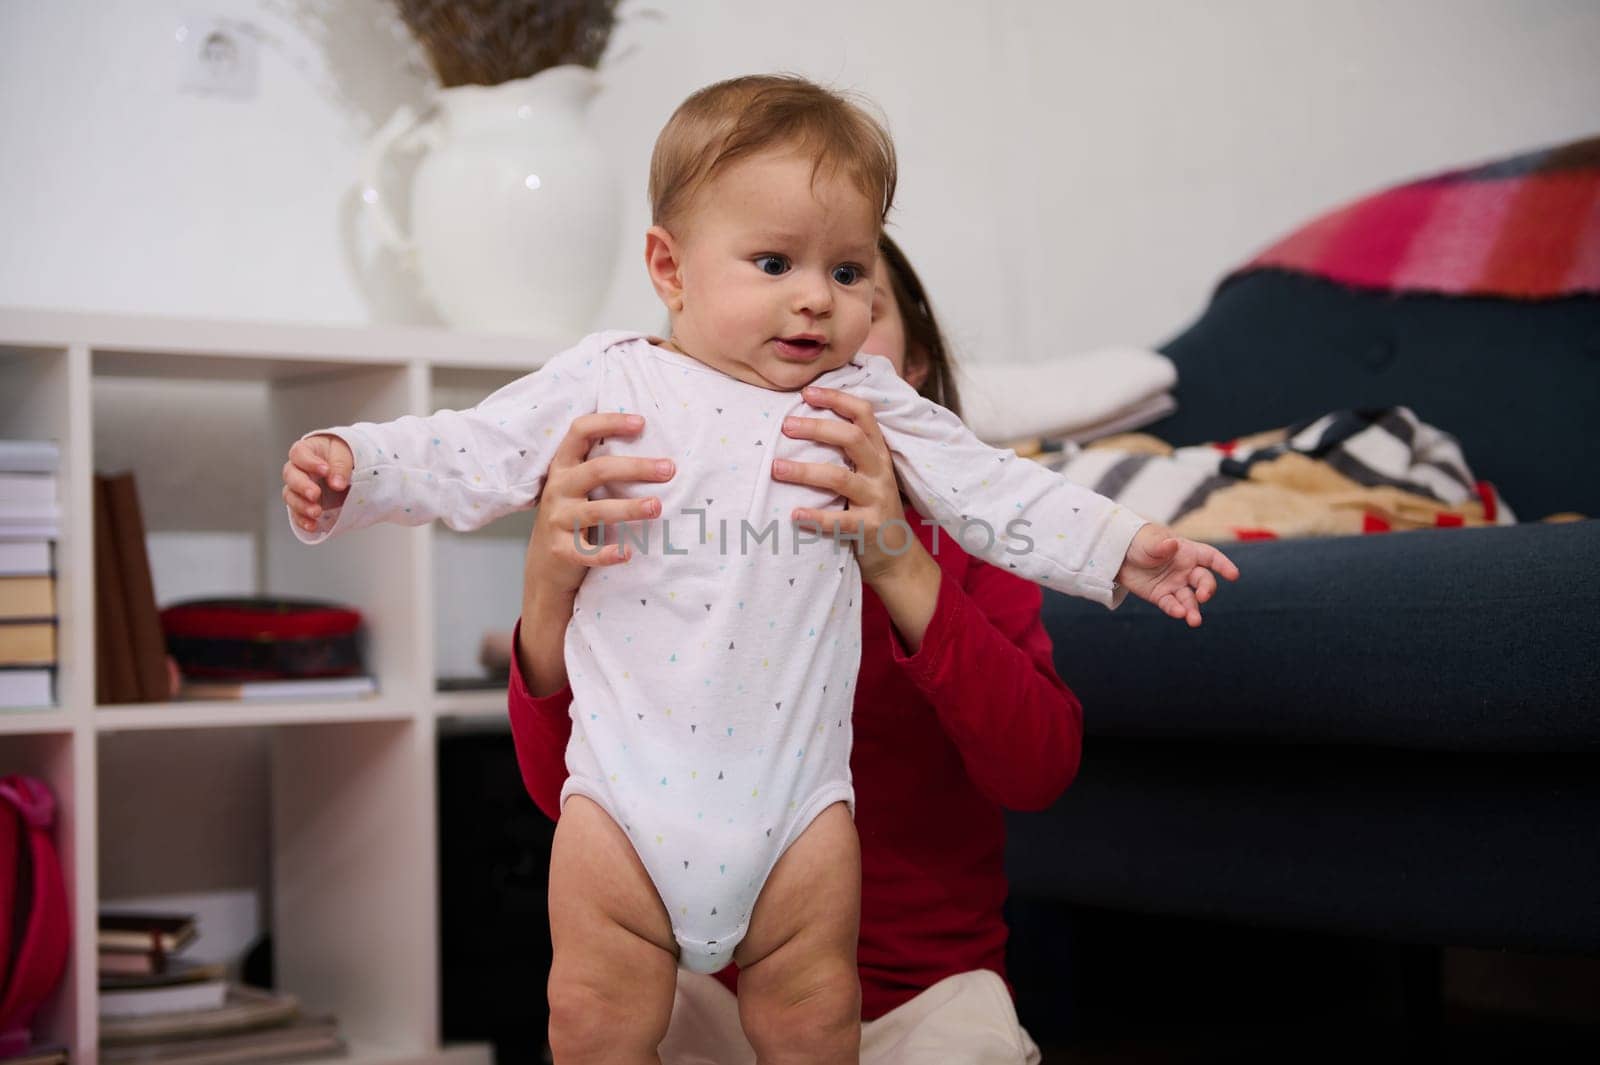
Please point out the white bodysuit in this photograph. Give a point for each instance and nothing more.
(713, 673)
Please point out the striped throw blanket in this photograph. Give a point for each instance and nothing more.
(1526, 227)
(1346, 472)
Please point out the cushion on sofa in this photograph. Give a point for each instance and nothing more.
(1452, 639)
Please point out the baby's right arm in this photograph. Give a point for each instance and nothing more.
(465, 468)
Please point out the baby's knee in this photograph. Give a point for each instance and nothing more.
(813, 1015)
(590, 1023)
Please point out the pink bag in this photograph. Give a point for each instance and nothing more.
(33, 902)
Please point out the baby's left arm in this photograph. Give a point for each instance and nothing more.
(1009, 511)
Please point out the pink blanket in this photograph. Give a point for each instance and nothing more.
(1527, 227)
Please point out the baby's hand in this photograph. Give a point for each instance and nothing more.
(316, 477)
(1173, 573)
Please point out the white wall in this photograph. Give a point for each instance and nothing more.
(1074, 173)
(1164, 142)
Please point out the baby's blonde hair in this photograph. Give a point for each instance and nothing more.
(743, 116)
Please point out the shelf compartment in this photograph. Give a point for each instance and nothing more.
(222, 485)
(328, 826)
(355, 900)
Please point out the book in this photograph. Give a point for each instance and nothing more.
(27, 643)
(130, 963)
(153, 1001)
(25, 558)
(27, 487)
(167, 933)
(29, 456)
(44, 512)
(301, 1037)
(141, 620)
(164, 972)
(26, 688)
(27, 529)
(246, 1008)
(266, 690)
(27, 597)
(114, 678)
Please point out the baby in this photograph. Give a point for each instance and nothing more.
(707, 813)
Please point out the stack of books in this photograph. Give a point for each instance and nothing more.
(143, 944)
(130, 649)
(30, 524)
(158, 1009)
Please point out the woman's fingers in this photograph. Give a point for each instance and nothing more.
(841, 434)
(609, 555)
(592, 513)
(821, 475)
(857, 443)
(585, 430)
(854, 439)
(590, 474)
(855, 408)
(829, 520)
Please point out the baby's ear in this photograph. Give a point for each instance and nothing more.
(666, 273)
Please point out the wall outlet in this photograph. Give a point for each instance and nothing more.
(217, 56)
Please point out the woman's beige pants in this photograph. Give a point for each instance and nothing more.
(966, 1019)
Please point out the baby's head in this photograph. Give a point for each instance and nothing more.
(768, 194)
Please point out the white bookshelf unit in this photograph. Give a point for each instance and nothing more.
(351, 851)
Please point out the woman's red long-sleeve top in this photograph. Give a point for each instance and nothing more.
(974, 722)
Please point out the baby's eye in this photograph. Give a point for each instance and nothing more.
(772, 265)
(846, 274)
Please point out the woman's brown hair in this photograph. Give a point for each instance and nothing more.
(925, 343)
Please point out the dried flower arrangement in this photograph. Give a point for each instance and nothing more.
(488, 42)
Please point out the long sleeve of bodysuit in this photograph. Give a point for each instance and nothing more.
(1008, 511)
(465, 468)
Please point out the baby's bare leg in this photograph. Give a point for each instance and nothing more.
(615, 959)
(799, 993)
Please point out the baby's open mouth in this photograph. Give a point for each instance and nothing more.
(802, 346)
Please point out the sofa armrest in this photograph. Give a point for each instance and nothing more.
(1458, 639)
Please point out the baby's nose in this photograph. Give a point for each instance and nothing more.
(813, 294)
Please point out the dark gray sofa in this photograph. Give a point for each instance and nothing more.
(1392, 736)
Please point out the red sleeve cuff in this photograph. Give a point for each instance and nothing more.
(925, 665)
(555, 704)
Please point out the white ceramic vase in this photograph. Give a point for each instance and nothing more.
(513, 207)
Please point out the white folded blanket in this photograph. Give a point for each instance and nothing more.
(1079, 398)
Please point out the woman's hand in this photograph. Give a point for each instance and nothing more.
(560, 553)
(894, 564)
(873, 509)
